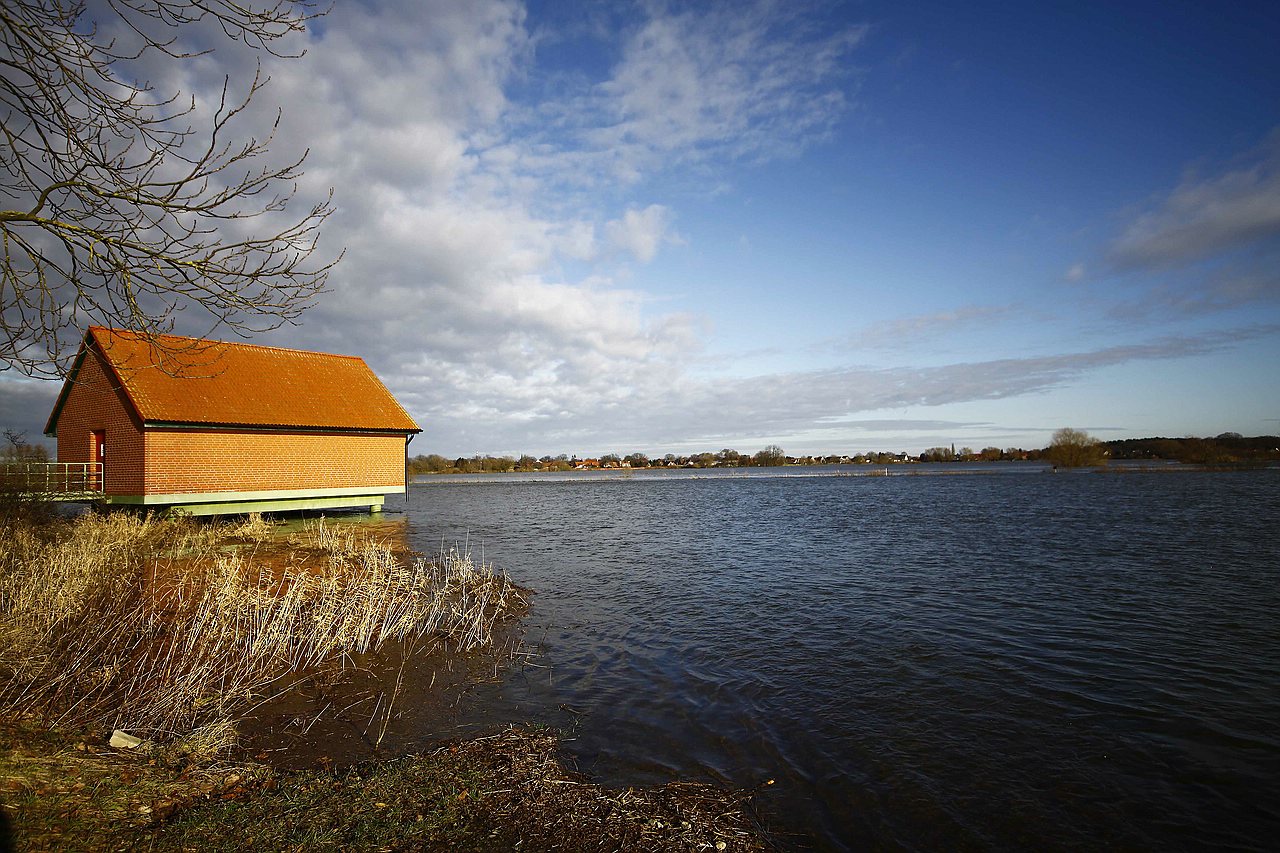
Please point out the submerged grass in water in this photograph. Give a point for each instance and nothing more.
(155, 627)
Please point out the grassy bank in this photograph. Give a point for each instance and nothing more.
(176, 632)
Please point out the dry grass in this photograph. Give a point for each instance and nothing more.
(254, 526)
(160, 628)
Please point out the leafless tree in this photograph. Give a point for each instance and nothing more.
(114, 209)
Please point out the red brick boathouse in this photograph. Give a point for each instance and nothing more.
(213, 427)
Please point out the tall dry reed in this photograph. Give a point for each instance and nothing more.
(156, 627)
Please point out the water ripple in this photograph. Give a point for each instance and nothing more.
(982, 662)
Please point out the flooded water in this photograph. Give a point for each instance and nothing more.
(995, 662)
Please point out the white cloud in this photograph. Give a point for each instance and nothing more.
(1218, 291)
(1205, 216)
(641, 232)
(911, 331)
(723, 81)
(1210, 246)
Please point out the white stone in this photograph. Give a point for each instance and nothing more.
(123, 740)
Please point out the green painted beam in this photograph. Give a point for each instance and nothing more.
(178, 498)
(240, 507)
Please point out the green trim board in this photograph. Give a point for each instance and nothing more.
(373, 502)
(179, 498)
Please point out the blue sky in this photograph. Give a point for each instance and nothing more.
(835, 226)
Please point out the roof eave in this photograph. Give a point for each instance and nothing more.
(51, 425)
(279, 427)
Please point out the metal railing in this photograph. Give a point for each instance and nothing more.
(52, 480)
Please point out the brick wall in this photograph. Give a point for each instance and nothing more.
(95, 402)
(186, 461)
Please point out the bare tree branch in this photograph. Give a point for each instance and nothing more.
(114, 210)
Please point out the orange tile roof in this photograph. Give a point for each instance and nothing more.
(189, 381)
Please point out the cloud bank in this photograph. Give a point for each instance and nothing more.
(489, 238)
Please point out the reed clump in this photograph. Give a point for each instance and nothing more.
(161, 628)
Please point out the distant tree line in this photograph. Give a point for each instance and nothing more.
(968, 454)
(1069, 448)
(434, 463)
(1225, 449)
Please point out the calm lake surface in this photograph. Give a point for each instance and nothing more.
(1001, 661)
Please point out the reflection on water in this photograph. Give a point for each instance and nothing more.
(978, 662)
